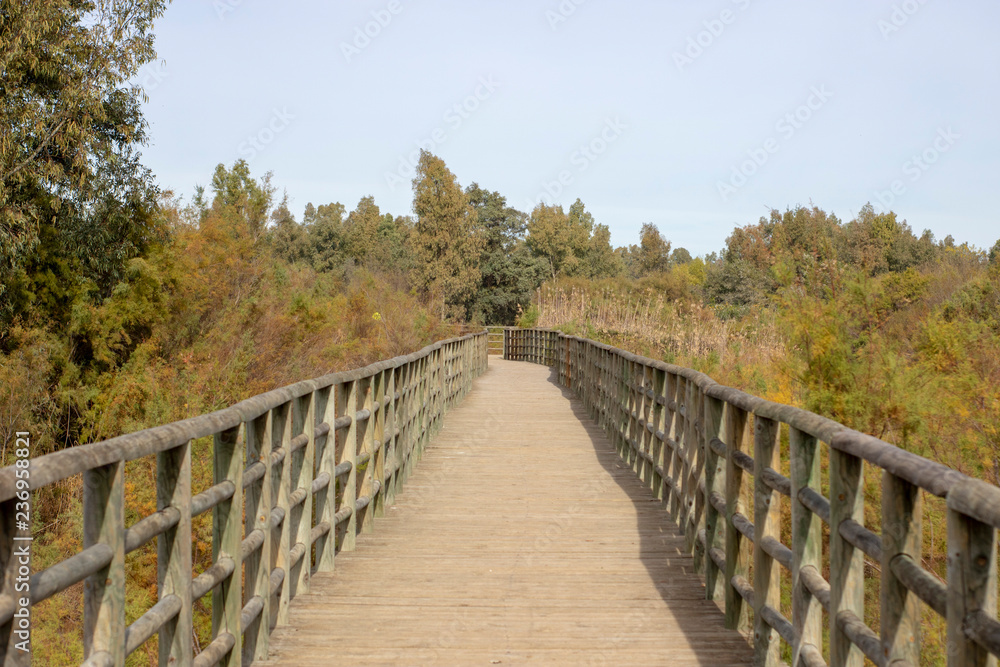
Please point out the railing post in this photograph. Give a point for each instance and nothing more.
(767, 524)
(737, 546)
(660, 448)
(227, 535)
(847, 563)
(326, 462)
(256, 638)
(392, 427)
(366, 440)
(173, 551)
(303, 468)
(104, 591)
(972, 572)
(281, 429)
(12, 559)
(807, 535)
(716, 532)
(378, 456)
(347, 452)
(675, 436)
(902, 537)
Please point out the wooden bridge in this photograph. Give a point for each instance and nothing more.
(573, 504)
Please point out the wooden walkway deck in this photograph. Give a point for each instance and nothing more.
(520, 539)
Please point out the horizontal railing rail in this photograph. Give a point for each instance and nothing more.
(704, 449)
(298, 473)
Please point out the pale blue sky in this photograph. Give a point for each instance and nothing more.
(672, 128)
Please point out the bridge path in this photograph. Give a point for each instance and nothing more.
(520, 539)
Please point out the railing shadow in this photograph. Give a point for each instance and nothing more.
(663, 554)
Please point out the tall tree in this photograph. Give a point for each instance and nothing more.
(509, 272)
(653, 252)
(446, 239)
(70, 125)
(602, 261)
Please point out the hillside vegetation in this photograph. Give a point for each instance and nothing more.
(124, 305)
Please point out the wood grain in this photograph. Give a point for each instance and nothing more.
(520, 538)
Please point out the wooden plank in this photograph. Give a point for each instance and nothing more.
(227, 535)
(347, 448)
(104, 591)
(767, 523)
(807, 536)
(173, 552)
(972, 573)
(847, 563)
(737, 546)
(902, 514)
(715, 525)
(570, 559)
(258, 515)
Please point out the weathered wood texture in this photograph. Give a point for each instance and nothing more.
(522, 537)
(297, 473)
(700, 478)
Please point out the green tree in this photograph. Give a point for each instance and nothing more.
(509, 272)
(653, 254)
(602, 261)
(446, 241)
(70, 124)
(237, 189)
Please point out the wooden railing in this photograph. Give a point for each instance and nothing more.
(298, 473)
(711, 453)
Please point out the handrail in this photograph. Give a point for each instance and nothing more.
(298, 473)
(702, 447)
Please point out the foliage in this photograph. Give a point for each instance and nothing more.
(71, 124)
(509, 273)
(446, 238)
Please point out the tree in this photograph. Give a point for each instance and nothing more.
(547, 235)
(361, 229)
(70, 123)
(446, 241)
(563, 239)
(509, 272)
(654, 251)
(237, 189)
(602, 262)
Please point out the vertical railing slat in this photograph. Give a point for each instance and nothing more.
(807, 535)
(715, 526)
(256, 639)
(173, 552)
(972, 573)
(767, 524)
(902, 537)
(347, 451)
(227, 535)
(282, 432)
(847, 563)
(104, 591)
(737, 546)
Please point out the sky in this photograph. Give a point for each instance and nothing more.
(695, 116)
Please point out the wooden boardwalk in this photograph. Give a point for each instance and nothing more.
(520, 539)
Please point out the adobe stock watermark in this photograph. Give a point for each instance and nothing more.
(224, 7)
(453, 118)
(256, 143)
(364, 35)
(151, 75)
(562, 12)
(704, 39)
(918, 165)
(582, 158)
(787, 126)
(900, 16)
